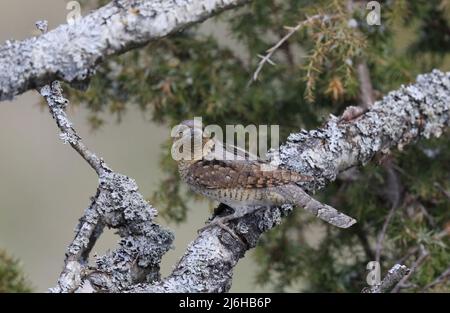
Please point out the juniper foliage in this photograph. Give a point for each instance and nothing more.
(11, 277)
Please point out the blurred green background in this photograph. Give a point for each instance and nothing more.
(45, 186)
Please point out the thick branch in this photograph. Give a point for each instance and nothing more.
(445, 276)
(401, 117)
(72, 51)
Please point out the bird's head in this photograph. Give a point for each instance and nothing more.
(189, 141)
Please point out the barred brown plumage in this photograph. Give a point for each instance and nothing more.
(245, 184)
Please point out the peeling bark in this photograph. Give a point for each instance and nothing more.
(403, 116)
(392, 278)
(118, 205)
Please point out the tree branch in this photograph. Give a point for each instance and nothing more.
(117, 204)
(420, 259)
(365, 86)
(393, 193)
(57, 104)
(71, 52)
(393, 276)
(403, 116)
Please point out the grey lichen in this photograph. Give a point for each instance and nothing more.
(72, 51)
(207, 266)
(118, 205)
(393, 277)
(142, 244)
(403, 116)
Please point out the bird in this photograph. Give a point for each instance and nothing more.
(230, 175)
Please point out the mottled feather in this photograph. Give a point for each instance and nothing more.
(215, 174)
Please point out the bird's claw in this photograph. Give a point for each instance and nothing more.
(220, 223)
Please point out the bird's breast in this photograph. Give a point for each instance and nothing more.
(236, 197)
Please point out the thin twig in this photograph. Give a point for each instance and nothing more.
(442, 189)
(57, 104)
(393, 191)
(427, 215)
(413, 250)
(269, 52)
(439, 280)
(420, 260)
(362, 237)
(366, 93)
(380, 239)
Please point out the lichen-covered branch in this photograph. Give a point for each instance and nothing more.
(269, 53)
(403, 116)
(208, 263)
(421, 110)
(57, 104)
(392, 278)
(71, 52)
(117, 204)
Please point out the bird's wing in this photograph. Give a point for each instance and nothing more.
(218, 174)
(217, 150)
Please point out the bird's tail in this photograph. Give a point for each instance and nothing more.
(296, 196)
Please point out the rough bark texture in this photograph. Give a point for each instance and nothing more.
(118, 205)
(403, 116)
(71, 52)
(393, 276)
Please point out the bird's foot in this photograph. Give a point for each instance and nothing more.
(221, 223)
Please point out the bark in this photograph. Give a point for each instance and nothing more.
(403, 116)
(118, 205)
(420, 110)
(71, 52)
(392, 278)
